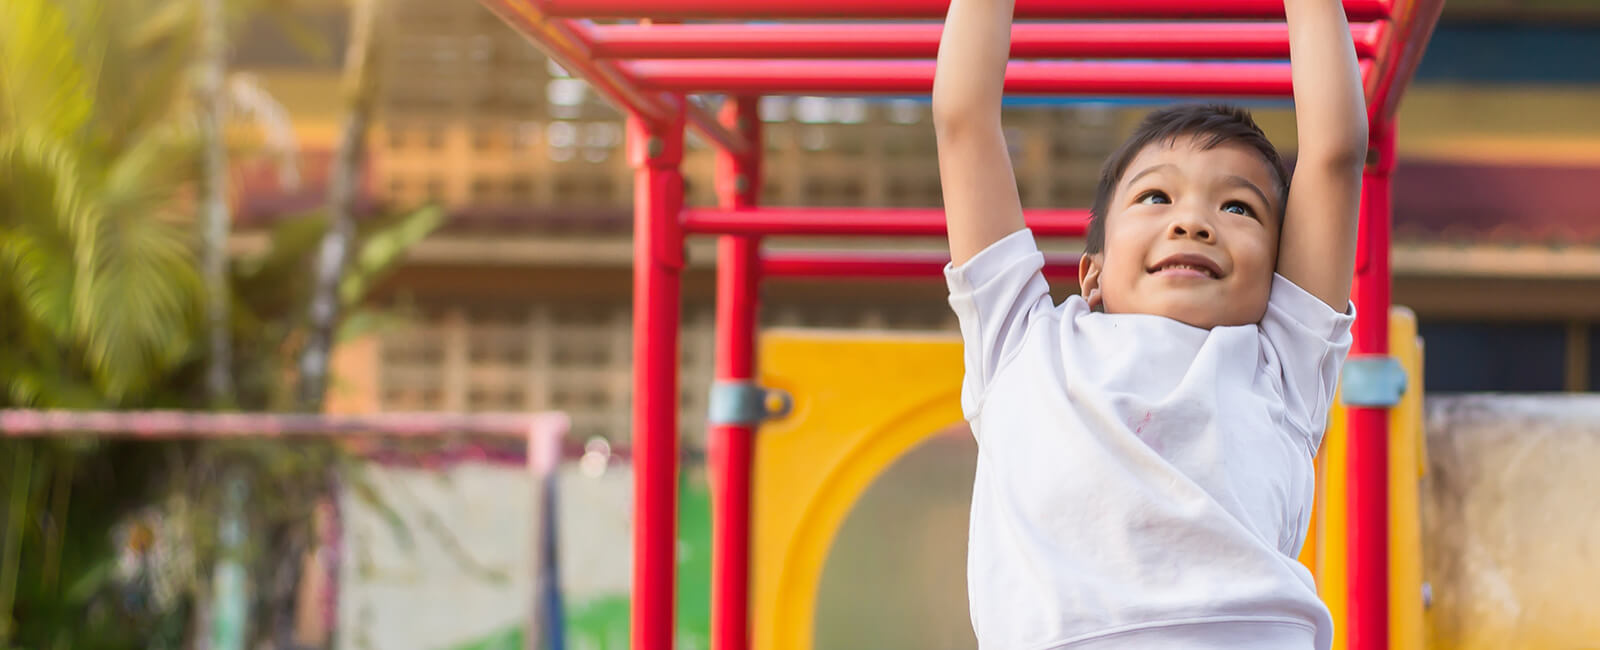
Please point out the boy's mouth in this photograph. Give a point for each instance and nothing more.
(1187, 265)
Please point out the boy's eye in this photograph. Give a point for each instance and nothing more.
(1155, 197)
(1238, 208)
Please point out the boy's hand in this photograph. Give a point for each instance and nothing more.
(980, 190)
(1318, 244)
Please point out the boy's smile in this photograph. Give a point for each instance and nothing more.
(1187, 265)
(1190, 235)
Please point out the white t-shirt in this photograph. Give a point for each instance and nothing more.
(1141, 483)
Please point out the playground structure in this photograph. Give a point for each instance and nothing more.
(682, 47)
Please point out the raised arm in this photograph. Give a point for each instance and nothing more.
(980, 191)
(1318, 247)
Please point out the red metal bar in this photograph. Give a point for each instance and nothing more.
(865, 77)
(861, 221)
(709, 126)
(572, 54)
(566, 44)
(806, 264)
(1235, 40)
(1368, 480)
(1359, 10)
(731, 447)
(577, 33)
(655, 151)
(1414, 27)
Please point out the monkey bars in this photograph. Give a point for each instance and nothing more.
(935, 9)
(743, 49)
(1099, 40)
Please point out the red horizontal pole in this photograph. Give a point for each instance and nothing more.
(861, 221)
(571, 52)
(706, 124)
(1413, 29)
(755, 76)
(880, 265)
(1235, 40)
(571, 44)
(568, 45)
(1359, 10)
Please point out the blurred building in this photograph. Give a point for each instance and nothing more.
(522, 301)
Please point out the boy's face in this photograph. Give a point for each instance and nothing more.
(1191, 234)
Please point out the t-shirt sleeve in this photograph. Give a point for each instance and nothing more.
(1311, 341)
(996, 296)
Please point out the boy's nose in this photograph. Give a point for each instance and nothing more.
(1193, 229)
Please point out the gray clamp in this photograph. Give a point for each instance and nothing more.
(745, 403)
(1374, 381)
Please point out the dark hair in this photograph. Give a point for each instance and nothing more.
(1211, 124)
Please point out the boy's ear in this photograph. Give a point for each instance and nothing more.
(1089, 280)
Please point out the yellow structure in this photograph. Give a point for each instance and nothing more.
(1325, 550)
(861, 401)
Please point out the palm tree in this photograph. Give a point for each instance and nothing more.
(95, 260)
(97, 281)
(210, 69)
(101, 291)
(360, 80)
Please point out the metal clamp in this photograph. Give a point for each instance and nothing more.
(746, 403)
(1374, 381)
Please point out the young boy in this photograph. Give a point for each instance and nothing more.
(1144, 478)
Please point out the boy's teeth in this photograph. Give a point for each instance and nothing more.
(1188, 267)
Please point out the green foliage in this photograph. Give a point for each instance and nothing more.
(382, 246)
(99, 308)
(94, 259)
(508, 638)
(67, 589)
(272, 290)
(45, 86)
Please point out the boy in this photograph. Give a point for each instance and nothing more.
(1145, 475)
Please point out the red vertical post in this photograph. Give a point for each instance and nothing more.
(1368, 480)
(655, 148)
(730, 445)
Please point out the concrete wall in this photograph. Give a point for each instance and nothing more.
(1511, 522)
(449, 566)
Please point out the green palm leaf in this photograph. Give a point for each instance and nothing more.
(384, 246)
(92, 253)
(41, 212)
(42, 81)
(140, 301)
(143, 288)
(40, 280)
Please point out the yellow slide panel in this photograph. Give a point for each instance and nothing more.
(1325, 551)
(860, 402)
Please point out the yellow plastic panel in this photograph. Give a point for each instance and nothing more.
(860, 402)
(1326, 552)
(1407, 445)
(1331, 520)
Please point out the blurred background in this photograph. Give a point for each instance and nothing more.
(369, 206)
